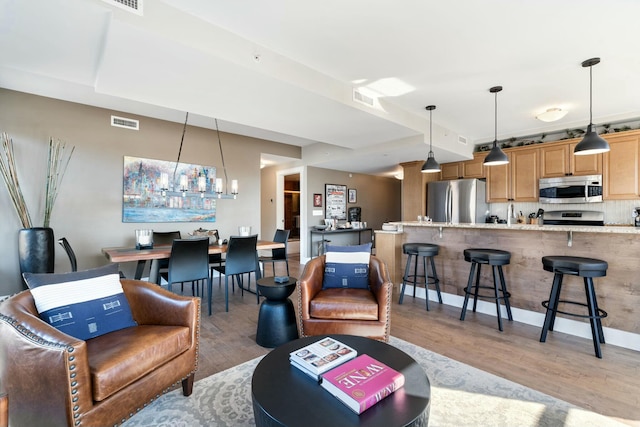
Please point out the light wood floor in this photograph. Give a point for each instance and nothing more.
(564, 367)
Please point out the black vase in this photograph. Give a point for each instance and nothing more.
(36, 250)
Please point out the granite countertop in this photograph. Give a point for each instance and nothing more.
(617, 229)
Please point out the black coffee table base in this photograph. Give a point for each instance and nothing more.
(285, 396)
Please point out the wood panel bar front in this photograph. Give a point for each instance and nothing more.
(618, 292)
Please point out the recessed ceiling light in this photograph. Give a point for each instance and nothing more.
(552, 114)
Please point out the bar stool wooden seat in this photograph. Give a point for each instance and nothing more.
(420, 252)
(587, 268)
(496, 259)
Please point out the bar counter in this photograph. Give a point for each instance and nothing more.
(618, 292)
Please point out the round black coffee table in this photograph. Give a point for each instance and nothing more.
(277, 318)
(285, 396)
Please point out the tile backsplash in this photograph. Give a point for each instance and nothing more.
(616, 212)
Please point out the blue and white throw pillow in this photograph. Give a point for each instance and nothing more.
(83, 308)
(347, 267)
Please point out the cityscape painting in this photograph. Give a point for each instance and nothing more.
(163, 191)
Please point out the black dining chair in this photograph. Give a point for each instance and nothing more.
(241, 258)
(164, 238)
(69, 250)
(72, 255)
(189, 262)
(278, 254)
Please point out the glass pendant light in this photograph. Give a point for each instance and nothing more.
(496, 156)
(592, 143)
(431, 165)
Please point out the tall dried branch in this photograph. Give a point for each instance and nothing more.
(56, 168)
(10, 176)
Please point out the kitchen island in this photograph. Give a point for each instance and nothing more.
(529, 285)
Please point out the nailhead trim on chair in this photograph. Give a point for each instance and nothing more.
(70, 349)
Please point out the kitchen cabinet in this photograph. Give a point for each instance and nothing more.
(466, 169)
(516, 181)
(414, 185)
(474, 168)
(621, 165)
(557, 159)
(451, 171)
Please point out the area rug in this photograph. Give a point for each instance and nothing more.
(461, 395)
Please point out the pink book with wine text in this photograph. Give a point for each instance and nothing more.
(362, 382)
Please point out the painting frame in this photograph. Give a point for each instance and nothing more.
(335, 201)
(164, 191)
(353, 195)
(317, 200)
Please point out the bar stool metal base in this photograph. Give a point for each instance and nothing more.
(595, 314)
(496, 259)
(417, 251)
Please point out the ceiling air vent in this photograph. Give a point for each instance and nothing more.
(122, 122)
(134, 6)
(362, 98)
(462, 139)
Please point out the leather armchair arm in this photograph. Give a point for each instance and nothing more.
(152, 305)
(53, 367)
(310, 284)
(381, 286)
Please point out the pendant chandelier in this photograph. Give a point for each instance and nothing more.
(220, 192)
(431, 165)
(496, 156)
(592, 143)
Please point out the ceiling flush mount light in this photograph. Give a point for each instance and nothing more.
(552, 115)
(496, 156)
(591, 143)
(431, 165)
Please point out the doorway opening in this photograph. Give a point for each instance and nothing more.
(292, 210)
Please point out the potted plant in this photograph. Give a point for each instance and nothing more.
(35, 244)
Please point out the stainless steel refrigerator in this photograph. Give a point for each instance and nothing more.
(457, 201)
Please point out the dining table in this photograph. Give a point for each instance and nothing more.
(141, 256)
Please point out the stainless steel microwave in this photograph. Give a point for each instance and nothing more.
(571, 189)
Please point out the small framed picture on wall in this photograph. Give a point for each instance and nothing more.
(352, 195)
(317, 200)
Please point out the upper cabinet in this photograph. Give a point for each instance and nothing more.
(620, 175)
(451, 170)
(516, 181)
(466, 169)
(557, 159)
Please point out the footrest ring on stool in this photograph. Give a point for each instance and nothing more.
(601, 313)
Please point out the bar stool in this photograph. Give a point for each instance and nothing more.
(496, 259)
(587, 268)
(417, 251)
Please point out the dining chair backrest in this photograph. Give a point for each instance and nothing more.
(189, 260)
(72, 256)
(281, 236)
(241, 255)
(165, 238)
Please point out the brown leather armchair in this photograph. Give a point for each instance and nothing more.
(54, 379)
(363, 312)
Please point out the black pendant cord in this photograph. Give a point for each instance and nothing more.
(184, 129)
(495, 124)
(430, 126)
(224, 168)
(590, 95)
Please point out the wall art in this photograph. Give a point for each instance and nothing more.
(336, 201)
(164, 191)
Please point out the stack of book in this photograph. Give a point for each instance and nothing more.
(358, 382)
(321, 356)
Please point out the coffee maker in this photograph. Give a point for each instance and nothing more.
(355, 214)
(636, 217)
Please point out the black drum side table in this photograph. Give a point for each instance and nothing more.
(277, 317)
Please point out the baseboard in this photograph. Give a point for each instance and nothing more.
(613, 336)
